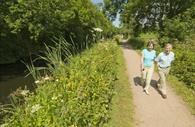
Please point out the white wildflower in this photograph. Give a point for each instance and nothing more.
(62, 101)
(24, 92)
(35, 108)
(37, 81)
(54, 98)
(98, 29)
(57, 80)
(46, 78)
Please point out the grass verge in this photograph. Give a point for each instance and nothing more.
(187, 94)
(76, 94)
(122, 106)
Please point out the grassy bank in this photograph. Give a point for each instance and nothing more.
(76, 94)
(122, 107)
(186, 93)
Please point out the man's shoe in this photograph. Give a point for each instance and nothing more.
(158, 86)
(164, 96)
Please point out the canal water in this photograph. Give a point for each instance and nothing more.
(13, 77)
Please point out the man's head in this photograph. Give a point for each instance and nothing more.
(168, 48)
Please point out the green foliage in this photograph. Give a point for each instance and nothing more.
(181, 26)
(150, 15)
(184, 66)
(80, 97)
(117, 38)
(142, 40)
(136, 43)
(176, 29)
(51, 17)
(29, 21)
(122, 104)
(112, 7)
(148, 36)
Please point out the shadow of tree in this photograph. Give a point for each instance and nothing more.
(125, 45)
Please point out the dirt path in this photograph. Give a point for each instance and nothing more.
(152, 110)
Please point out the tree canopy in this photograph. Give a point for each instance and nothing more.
(24, 22)
(152, 14)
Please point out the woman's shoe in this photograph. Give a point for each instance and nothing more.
(146, 91)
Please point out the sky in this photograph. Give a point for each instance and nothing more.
(116, 22)
(97, 1)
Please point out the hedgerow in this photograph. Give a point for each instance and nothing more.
(184, 66)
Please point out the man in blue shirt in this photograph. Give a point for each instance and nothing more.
(164, 60)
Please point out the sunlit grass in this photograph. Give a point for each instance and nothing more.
(122, 110)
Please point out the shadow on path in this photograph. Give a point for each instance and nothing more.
(125, 45)
(153, 83)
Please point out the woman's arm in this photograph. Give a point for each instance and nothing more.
(157, 59)
(142, 61)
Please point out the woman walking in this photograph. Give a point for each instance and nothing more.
(147, 65)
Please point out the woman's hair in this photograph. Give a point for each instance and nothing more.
(150, 42)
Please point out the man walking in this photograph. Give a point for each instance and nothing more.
(164, 60)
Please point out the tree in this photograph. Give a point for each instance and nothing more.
(112, 7)
(29, 21)
(182, 25)
(151, 14)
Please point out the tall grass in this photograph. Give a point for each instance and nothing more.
(77, 93)
(55, 56)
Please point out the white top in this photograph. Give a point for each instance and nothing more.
(164, 60)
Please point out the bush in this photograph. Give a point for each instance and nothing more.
(117, 38)
(141, 41)
(148, 36)
(80, 97)
(136, 43)
(174, 28)
(184, 65)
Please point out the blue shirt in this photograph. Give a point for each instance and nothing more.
(164, 60)
(149, 57)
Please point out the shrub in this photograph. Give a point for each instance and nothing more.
(117, 38)
(148, 36)
(184, 65)
(141, 41)
(136, 43)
